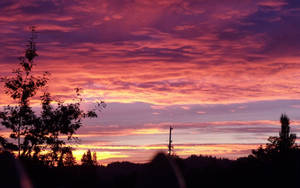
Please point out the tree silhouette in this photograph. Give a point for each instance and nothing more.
(34, 133)
(69, 159)
(6, 146)
(22, 87)
(95, 162)
(278, 145)
(89, 160)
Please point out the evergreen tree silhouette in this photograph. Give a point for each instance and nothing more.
(278, 145)
(87, 159)
(95, 162)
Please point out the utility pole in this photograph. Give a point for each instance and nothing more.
(170, 147)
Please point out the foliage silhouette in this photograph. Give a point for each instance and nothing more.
(69, 159)
(95, 161)
(21, 119)
(88, 160)
(281, 145)
(36, 132)
(6, 146)
(196, 171)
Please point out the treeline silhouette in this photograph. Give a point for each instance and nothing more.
(277, 164)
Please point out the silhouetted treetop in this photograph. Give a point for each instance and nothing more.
(24, 85)
(30, 53)
(278, 145)
(88, 159)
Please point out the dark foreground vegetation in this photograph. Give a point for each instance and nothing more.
(195, 171)
(275, 165)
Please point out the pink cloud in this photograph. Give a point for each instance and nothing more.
(273, 3)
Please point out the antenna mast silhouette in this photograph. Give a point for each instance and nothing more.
(170, 147)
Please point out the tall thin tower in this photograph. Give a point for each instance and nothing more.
(170, 147)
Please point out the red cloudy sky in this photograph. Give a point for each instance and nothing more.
(221, 73)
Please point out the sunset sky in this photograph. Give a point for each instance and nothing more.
(220, 72)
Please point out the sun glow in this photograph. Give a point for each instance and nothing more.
(100, 155)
